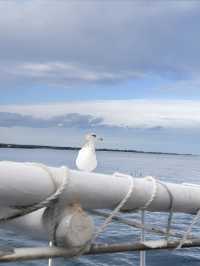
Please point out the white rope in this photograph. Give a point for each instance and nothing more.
(169, 223)
(119, 206)
(108, 220)
(146, 205)
(137, 224)
(153, 194)
(171, 211)
(53, 208)
(185, 236)
(50, 202)
(46, 202)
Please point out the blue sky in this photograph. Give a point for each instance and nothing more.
(148, 88)
(128, 70)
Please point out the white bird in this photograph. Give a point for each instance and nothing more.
(86, 159)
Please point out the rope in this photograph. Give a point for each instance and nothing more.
(50, 202)
(108, 220)
(137, 224)
(146, 205)
(46, 202)
(153, 194)
(119, 206)
(185, 236)
(169, 223)
(171, 210)
(52, 209)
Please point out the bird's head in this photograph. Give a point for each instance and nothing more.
(92, 137)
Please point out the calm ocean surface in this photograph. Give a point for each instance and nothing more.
(167, 167)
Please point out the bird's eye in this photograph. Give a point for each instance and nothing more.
(94, 135)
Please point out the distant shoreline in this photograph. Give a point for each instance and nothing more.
(28, 146)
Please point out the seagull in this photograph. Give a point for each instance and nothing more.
(86, 159)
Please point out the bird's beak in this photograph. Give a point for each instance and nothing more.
(100, 139)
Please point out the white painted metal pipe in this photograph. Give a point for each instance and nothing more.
(25, 184)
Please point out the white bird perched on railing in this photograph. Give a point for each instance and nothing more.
(86, 159)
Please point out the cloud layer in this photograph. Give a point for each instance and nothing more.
(69, 120)
(73, 42)
(145, 114)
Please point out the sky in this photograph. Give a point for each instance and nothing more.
(126, 70)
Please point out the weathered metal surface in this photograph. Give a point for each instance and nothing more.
(47, 252)
(24, 184)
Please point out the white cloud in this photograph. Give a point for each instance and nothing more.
(60, 72)
(123, 113)
(80, 41)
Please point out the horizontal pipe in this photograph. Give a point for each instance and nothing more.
(20, 254)
(26, 184)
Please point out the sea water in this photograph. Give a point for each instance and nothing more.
(172, 168)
